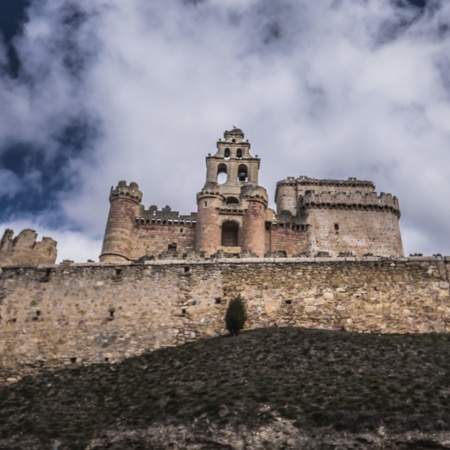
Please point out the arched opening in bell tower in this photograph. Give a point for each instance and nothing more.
(242, 173)
(230, 234)
(222, 174)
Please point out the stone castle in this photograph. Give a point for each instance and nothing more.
(313, 217)
(331, 258)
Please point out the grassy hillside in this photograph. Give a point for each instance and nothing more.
(319, 381)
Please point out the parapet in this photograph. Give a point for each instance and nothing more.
(306, 181)
(25, 250)
(255, 193)
(165, 216)
(122, 190)
(351, 200)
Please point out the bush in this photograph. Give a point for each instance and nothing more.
(235, 316)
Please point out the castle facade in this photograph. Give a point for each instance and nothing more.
(313, 217)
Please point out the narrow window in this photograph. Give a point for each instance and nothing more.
(336, 228)
(206, 203)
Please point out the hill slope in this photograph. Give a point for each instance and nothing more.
(268, 388)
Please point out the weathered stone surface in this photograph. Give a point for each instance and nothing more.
(86, 313)
(24, 249)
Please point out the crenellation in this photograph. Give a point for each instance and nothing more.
(322, 215)
(123, 190)
(25, 249)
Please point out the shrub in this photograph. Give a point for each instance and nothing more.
(235, 316)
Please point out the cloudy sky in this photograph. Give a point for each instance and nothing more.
(140, 90)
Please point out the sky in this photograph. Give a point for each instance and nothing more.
(141, 90)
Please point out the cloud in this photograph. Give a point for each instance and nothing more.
(141, 90)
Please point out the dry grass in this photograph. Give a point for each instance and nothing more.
(318, 379)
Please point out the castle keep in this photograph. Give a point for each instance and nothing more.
(313, 217)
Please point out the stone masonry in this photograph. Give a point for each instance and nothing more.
(52, 316)
(313, 216)
(24, 249)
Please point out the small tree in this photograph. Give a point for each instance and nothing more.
(235, 316)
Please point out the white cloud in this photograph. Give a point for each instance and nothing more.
(331, 88)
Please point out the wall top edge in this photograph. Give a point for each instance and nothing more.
(219, 261)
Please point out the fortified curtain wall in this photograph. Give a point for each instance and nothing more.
(52, 316)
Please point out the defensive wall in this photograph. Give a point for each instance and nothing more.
(57, 315)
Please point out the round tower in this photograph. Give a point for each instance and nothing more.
(124, 205)
(207, 228)
(253, 222)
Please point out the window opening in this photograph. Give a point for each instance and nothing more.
(222, 174)
(187, 269)
(239, 153)
(227, 153)
(172, 247)
(230, 234)
(336, 228)
(242, 173)
(232, 200)
(73, 360)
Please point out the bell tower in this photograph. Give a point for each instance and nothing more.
(230, 190)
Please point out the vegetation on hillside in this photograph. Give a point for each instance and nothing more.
(235, 316)
(320, 380)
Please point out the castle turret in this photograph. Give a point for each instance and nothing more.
(125, 202)
(253, 223)
(207, 230)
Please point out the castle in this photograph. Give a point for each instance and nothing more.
(330, 257)
(313, 217)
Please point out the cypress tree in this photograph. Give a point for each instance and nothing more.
(235, 316)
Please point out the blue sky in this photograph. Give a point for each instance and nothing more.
(95, 92)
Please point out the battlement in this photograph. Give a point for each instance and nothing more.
(302, 180)
(165, 216)
(24, 249)
(123, 190)
(350, 200)
(255, 193)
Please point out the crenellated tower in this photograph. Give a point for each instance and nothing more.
(231, 207)
(125, 201)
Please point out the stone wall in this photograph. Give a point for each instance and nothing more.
(356, 231)
(155, 239)
(24, 249)
(87, 313)
(289, 238)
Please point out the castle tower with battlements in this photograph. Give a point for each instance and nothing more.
(314, 217)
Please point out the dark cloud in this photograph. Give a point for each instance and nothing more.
(140, 90)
